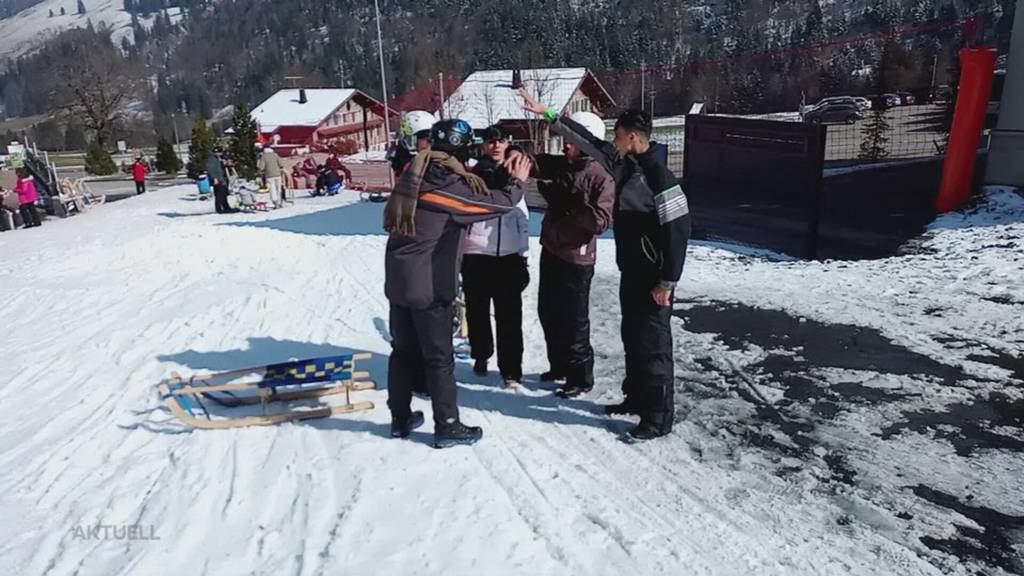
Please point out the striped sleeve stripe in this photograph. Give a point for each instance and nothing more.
(671, 204)
(668, 215)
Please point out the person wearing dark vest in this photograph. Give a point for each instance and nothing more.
(426, 217)
(652, 230)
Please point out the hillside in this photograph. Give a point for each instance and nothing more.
(28, 29)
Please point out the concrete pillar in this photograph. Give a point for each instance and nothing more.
(1006, 153)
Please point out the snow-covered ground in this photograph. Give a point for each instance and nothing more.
(834, 417)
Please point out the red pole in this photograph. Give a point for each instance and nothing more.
(977, 66)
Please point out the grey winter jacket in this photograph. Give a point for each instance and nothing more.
(269, 164)
(215, 168)
(422, 271)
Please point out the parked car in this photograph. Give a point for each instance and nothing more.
(892, 100)
(906, 98)
(862, 103)
(834, 113)
(942, 94)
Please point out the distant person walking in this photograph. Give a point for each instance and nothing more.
(216, 173)
(27, 197)
(139, 172)
(270, 167)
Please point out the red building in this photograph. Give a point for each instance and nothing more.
(320, 117)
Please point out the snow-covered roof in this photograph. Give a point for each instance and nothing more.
(284, 109)
(486, 96)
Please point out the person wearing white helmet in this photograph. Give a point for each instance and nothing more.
(413, 136)
(580, 195)
(652, 231)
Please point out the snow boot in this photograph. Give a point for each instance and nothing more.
(620, 409)
(572, 391)
(480, 367)
(552, 376)
(456, 433)
(648, 431)
(401, 429)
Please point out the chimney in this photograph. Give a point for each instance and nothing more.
(517, 79)
(302, 96)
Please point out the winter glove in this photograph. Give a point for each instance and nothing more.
(524, 273)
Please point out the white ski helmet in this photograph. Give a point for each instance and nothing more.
(592, 122)
(414, 124)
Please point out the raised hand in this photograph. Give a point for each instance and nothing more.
(518, 166)
(530, 104)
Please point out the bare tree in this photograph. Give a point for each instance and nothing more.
(489, 102)
(456, 105)
(90, 81)
(542, 84)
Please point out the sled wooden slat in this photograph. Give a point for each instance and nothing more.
(261, 420)
(183, 396)
(294, 395)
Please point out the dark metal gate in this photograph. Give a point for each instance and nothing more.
(757, 182)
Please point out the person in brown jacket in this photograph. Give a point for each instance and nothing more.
(581, 197)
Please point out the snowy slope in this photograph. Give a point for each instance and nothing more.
(100, 307)
(27, 30)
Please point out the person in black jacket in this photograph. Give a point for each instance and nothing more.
(652, 228)
(435, 199)
(218, 178)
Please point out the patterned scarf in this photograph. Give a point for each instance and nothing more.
(400, 211)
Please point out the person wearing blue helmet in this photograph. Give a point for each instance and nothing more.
(435, 200)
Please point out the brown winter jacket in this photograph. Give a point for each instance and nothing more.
(580, 196)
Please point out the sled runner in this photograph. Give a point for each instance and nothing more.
(263, 385)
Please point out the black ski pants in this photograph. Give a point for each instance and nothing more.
(30, 215)
(500, 279)
(563, 305)
(220, 198)
(649, 386)
(421, 351)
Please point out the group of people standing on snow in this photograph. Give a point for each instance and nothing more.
(445, 218)
(327, 178)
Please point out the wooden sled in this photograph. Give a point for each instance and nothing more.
(277, 383)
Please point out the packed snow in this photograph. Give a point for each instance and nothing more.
(833, 417)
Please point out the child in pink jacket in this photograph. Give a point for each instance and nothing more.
(27, 196)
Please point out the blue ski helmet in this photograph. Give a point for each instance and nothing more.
(451, 135)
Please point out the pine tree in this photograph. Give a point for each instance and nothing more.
(167, 160)
(98, 160)
(63, 12)
(874, 144)
(202, 142)
(51, 12)
(81, 7)
(243, 142)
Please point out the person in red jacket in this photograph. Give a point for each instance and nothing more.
(139, 172)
